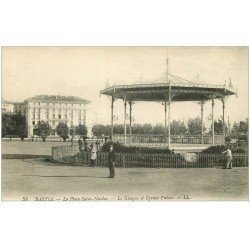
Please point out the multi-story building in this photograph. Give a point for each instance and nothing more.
(52, 109)
(7, 107)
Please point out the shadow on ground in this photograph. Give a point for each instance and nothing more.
(65, 176)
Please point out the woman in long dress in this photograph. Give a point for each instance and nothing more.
(93, 156)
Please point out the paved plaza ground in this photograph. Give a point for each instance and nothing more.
(39, 179)
(35, 178)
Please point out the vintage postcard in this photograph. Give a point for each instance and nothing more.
(125, 124)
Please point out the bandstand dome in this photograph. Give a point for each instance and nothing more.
(181, 90)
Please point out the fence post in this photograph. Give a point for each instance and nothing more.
(123, 160)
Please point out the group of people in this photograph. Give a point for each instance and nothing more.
(85, 144)
(93, 155)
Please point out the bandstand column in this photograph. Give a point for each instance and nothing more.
(213, 121)
(202, 109)
(165, 124)
(125, 123)
(169, 105)
(223, 118)
(112, 117)
(130, 121)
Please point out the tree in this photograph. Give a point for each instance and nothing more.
(194, 126)
(81, 130)
(22, 131)
(62, 130)
(137, 128)
(177, 128)
(141, 128)
(147, 128)
(158, 129)
(8, 125)
(43, 129)
(21, 125)
(243, 127)
(218, 127)
(119, 129)
(240, 130)
(99, 130)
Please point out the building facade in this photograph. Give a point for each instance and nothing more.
(52, 109)
(7, 107)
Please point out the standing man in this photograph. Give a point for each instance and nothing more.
(80, 144)
(228, 152)
(86, 145)
(111, 161)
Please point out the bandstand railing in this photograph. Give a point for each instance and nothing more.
(159, 139)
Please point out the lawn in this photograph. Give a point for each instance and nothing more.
(30, 147)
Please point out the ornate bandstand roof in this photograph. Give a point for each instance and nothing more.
(180, 89)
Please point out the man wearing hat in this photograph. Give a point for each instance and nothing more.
(229, 158)
(111, 161)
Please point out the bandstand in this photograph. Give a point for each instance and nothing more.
(167, 90)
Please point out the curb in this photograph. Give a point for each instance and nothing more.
(21, 156)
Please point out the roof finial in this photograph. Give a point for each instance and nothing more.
(197, 78)
(230, 83)
(107, 83)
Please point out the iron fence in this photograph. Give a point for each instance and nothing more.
(72, 155)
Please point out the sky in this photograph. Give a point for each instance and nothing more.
(84, 71)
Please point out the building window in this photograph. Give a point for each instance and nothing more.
(33, 122)
(47, 116)
(59, 116)
(53, 123)
(66, 116)
(33, 116)
(54, 110)
(54, 116)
